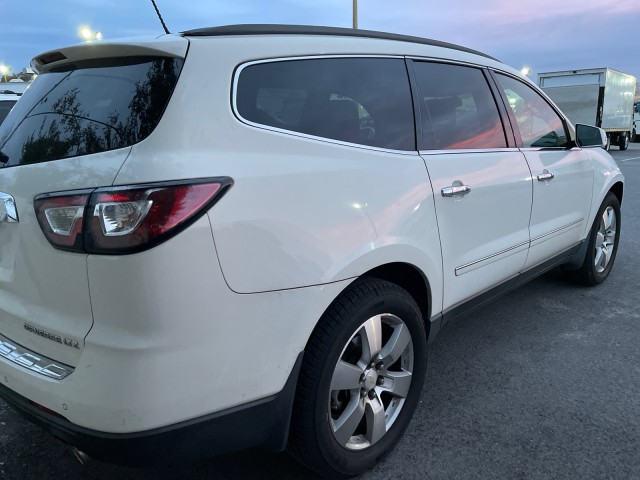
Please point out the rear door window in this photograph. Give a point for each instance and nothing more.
(365, 101)
(457, 108)
(89, 107)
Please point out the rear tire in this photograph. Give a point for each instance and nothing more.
(603, 243)
(360, 381)
(624, 141)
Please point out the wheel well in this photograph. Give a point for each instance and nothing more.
(617, 190)
(412, 280)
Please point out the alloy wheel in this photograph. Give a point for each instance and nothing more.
(605, 239)
(371, 381)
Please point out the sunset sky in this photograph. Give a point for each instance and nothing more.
(542, 34)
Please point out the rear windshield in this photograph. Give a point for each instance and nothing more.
(90, 107)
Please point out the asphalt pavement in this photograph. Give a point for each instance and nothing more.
(543, 383)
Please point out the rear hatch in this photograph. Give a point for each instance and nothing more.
(72, 130)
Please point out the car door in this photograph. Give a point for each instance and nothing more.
(481, 182)
(562, 173)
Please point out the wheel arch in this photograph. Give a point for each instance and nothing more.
(618, 189)
(413, 280)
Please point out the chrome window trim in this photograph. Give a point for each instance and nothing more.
(476, 263)
(468, 150)
(462, 63)
(539, 149)
(236, 113)
(23, 357)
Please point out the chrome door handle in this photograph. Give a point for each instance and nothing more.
(545, 176)
(455, 190)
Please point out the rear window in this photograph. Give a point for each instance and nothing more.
(358, 100)
(89, 107)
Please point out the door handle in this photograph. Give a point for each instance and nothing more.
(545, 176)
(456, 190)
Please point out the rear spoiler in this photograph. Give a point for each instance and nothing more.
(164, 46)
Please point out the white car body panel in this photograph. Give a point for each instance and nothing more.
(39, 285)
(484, 238)
(561, 206)
(152, 363)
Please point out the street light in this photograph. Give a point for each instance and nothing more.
(4, 70)
(89, 35)
(526, 71)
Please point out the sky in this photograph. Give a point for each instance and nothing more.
(545, 35)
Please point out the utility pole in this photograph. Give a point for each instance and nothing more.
(355, 14)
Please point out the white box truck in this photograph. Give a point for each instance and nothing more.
(596, 96)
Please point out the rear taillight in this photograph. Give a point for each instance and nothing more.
(119, 220)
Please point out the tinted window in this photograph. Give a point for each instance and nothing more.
(5, 108)
(89, 108)
(457, 108)
(539, 124)
(357, 100)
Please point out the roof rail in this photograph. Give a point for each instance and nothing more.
(275, 29)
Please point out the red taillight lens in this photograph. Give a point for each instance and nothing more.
(129, 219)
(61, 218)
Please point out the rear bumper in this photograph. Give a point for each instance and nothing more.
(262, 423)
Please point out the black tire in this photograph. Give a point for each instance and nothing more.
(634, 137)
(312, 440)
(624, 141)
(589, 273)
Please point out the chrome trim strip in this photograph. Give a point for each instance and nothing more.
(468, 150)
(236, 113)
(19, 355)
(557, 230)
(459, 270)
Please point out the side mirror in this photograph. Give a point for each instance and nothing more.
(588, 136)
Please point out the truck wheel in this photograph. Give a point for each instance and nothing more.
(624, 141)
(360, 381)
(634, 137)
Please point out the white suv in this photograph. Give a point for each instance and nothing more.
(245, 236)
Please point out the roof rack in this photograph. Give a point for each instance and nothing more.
(275, 29)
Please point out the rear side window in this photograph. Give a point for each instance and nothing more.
(358, 100)
(457, 108)
(90, 107)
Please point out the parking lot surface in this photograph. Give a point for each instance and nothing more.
(542, 383)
